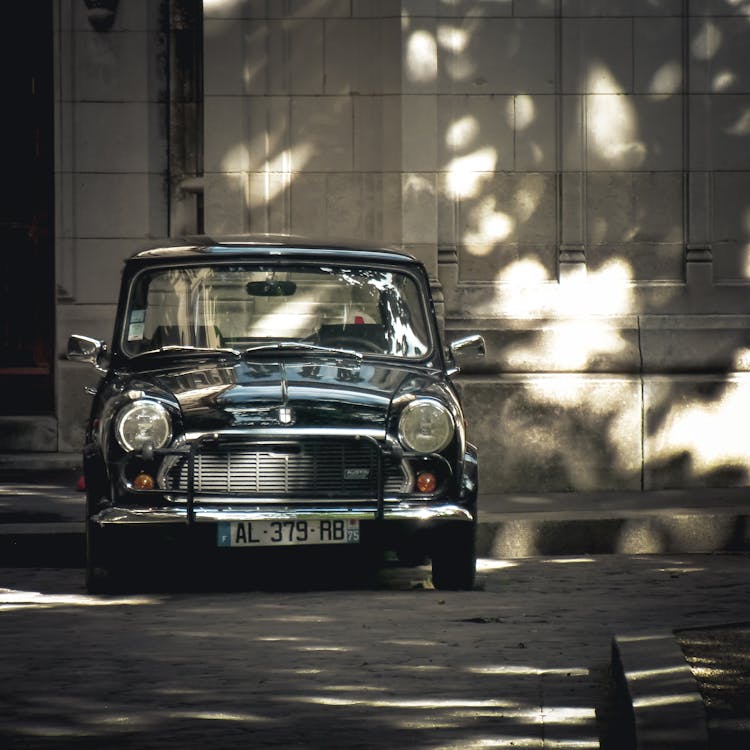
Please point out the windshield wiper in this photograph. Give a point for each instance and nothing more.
(177, 348)
(304, 345)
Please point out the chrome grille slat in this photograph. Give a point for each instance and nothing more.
(308, 470)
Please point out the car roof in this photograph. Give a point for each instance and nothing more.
(250, 247)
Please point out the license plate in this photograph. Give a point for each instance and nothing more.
(288, 533)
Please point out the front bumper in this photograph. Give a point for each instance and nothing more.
(413, 512)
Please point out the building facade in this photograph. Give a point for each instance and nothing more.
(575, 174)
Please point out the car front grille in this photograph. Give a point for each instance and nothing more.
(302, 471)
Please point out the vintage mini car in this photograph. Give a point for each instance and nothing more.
(273, 392)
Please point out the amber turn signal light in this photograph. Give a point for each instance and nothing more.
(143, 482)
(426, 482)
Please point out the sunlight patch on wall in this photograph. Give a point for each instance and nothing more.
(573, 344)
(454, 41)
(212, 7)
(452, 38)
(421, 57)
(611, 122)
(524, 274)
(743, 6)
(527, 198)
(608, 409)
(491, 226)
(723, 81)
(278, 171)
(741, 126)
(744, 252)
(236, 159)
(462, 132)
(667, 80)
(605, 292)
(522, 112)
(581, 328)
(417, 184)
(711, 432)
(466, 174)
(707, 42)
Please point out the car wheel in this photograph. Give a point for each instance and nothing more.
(454, 557)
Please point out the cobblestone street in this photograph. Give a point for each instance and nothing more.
(521, 662)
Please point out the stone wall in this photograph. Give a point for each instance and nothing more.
(575, 176)
(110, 172)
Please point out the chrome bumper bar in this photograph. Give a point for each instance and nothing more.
(160, 515)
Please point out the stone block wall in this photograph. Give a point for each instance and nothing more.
(574, 174)
(110, 169)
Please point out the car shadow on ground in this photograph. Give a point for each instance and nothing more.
(275, 570)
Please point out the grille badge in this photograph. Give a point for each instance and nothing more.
(286, 415)
(356, 473)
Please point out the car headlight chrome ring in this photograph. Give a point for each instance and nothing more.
(425, 426)
(142, 422)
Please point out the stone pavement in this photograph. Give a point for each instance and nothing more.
(41, 523)
(523, 661)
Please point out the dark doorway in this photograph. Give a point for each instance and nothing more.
(27, 258)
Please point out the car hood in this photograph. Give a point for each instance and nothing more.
(303, 394)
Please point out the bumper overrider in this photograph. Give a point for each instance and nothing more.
(190, 506)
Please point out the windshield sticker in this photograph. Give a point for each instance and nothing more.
(135, 329)
(135, 332)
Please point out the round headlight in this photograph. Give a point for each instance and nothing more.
(425, 426)
(143, 422)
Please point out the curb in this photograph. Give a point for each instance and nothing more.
(498, 536)
(666, 531)
(658, 694)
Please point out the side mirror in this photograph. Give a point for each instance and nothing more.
(469, 345)
(88, 350)
(466, 346)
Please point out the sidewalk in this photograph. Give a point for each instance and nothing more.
(42, 500)
(659, 674)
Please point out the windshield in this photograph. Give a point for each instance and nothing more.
(259, 307)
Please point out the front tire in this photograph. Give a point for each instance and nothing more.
(454, 557)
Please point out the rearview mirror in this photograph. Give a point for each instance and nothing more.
(271, 288)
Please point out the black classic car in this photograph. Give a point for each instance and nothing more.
(271, 392)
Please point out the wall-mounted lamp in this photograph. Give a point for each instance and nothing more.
(101, 13)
